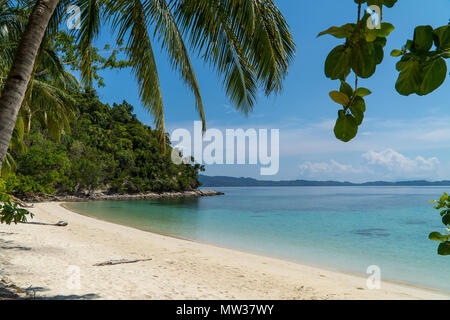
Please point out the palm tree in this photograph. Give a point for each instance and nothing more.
(48, 95)
(247, 42)
(21, 69)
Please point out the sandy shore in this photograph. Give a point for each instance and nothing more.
(47, 259)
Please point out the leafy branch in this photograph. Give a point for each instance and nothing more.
(444, 205)
(362, 51)
(10, 211)
(422, 68)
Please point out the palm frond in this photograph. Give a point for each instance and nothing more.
(89, 30)
(171, 40)
(212, 33)
(255, 35)
(129, 19)
(8, 166)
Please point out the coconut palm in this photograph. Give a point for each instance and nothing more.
(48, 94)
(248, 42)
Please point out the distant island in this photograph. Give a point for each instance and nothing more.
(219, 181)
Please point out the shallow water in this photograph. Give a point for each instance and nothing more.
(345, 228)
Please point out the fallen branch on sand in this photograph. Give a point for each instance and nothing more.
(22, 204)
(122, 261)
(59, 224)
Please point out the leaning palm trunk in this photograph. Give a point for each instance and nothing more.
(21, 69)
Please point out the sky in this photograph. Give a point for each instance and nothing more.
(402, 138)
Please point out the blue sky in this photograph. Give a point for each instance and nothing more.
(401, 137)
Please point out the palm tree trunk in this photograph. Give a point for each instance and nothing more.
(19, 76)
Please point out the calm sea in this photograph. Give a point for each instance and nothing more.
(344, 228)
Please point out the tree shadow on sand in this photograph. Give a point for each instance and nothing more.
(37, 293)
(9, 245)
(32, 293)
(7, 294)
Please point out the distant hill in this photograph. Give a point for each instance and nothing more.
(209, 181)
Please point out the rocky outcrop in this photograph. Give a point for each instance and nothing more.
(106, 196)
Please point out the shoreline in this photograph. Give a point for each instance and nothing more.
(226, 273)
(299, 262)
(101, 196)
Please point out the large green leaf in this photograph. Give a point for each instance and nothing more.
(442, 39)
(434, 74)
(409, 80)
(364, 60)
(337, 64)
(346, 127)
(423, 38)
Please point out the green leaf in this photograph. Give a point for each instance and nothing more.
(346, 88)
(409, 44)
(364, 61)
(434, 74)
(446, 219)
(396, 53)
(409, 80)
(423, 38)
(337, 64)
(389, 3)
(436, 236)
(340, 98)
(442, 39)
(385, 30)
(379, 45)
(444, 249)
(346, 127)
(371, 35)
(345, 31)
(362, 92)
(358, 107)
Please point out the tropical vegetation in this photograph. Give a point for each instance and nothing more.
(443, 205)
(106, 148)
(56, 137)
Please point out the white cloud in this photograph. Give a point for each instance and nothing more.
(392, 160)
(325, 167)
(387, 164)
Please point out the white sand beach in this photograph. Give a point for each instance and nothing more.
(42, 258)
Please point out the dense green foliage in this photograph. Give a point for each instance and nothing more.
(444, 206)
(107, 149)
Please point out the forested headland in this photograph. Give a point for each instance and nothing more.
(105, 148)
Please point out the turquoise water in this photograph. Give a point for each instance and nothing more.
(345, 228)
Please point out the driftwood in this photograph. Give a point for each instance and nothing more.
(122, 261)
(59, 224)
